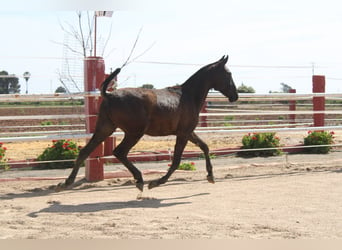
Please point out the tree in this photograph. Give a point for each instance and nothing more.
(78, 41)
(60, 89)
(9, 84)
(245, 89)
(285, 88)
(147, 86)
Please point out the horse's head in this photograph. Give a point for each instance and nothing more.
(222, 79)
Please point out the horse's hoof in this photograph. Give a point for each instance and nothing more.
(153, 184)
(64, 185)
(60, 187)
(140, 186)
(211, 179)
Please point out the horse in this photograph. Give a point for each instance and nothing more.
(157, 112)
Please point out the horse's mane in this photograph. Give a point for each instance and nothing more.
(199, 74)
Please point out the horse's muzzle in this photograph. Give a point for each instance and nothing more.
(233, 98)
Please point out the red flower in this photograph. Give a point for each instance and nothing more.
(332, 132)
(192, 163)
(309, 132)
(254, 138)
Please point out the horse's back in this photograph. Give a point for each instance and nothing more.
(155, 111)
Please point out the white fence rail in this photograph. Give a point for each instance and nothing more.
(220, 116)
(214, 116)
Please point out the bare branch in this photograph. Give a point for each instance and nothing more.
(60, 78)
(68, 47)
(110, 52)
(73, 50)
(128, 61)
(90, 28)
(72, 33)
(71, 77)
(144, 52)
(134, 45)
(79, 14)
(108, 37)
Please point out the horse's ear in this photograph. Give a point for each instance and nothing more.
(222, 61)
(225, 59)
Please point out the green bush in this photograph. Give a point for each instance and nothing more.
(3, 161)
(260, 140)
(60, 150)
(319, 138)
(46, 123)
(186, 166)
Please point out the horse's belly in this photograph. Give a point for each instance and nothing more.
(161, 128)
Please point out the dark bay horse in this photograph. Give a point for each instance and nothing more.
(161, 112)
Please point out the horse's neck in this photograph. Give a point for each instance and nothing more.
(197, 89)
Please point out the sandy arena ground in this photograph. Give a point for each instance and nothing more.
(267, 199)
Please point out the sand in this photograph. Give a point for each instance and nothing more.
(262, 201)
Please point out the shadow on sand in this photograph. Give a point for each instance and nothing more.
(57, 207)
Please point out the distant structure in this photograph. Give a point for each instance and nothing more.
(72, 71)
(71, 75)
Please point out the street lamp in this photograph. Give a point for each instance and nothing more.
(27, 77)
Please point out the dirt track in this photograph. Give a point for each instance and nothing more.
(266, 200)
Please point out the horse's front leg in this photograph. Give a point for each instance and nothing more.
(204, 147)
(179, 148)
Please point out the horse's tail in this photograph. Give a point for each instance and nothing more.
(106, 82)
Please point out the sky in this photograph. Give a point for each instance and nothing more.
(268, 42)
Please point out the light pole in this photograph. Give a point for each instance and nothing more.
(97, 14)
(27, 77)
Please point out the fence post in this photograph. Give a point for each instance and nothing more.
(292, 107)
(94, 69)
(318, 86)
(109, 145)
(203, 119)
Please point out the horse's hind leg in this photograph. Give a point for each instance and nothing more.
(121, 152)
(104, 128)
(179, 148)
(204, 147)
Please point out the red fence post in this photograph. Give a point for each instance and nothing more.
(109, 145)
(292, 107)
(94, 69)
(318, 86)
(203, 119)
